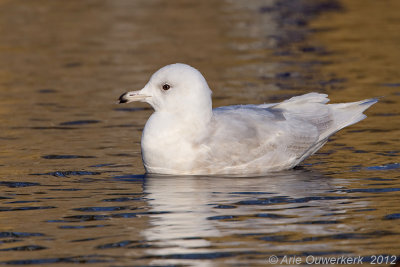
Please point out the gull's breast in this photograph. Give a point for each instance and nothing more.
(168, 148)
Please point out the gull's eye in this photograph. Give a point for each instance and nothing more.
(166, 86)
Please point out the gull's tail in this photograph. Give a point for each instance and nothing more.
(346, 114)
(327, 118)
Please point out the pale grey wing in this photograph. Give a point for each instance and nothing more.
(249, 106)
(277, 136)
(252, 136)
(327, 118)
(311, 110)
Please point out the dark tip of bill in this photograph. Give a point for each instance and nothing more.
(122, 99)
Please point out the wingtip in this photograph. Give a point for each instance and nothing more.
(370, 101)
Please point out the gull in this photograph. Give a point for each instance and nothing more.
(186, 136)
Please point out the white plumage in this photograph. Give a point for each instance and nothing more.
(186, 136)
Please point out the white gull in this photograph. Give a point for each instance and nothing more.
(185, 135)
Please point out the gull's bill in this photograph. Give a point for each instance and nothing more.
(132, 96)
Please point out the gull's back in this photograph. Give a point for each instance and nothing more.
(254, 139)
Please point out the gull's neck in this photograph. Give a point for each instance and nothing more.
(189, 115)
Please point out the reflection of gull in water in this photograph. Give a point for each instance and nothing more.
(188, 214)
(186, 136)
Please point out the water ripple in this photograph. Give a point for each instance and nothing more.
(17, 184)
(68, 173)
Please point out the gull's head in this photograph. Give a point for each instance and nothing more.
(174, 88)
